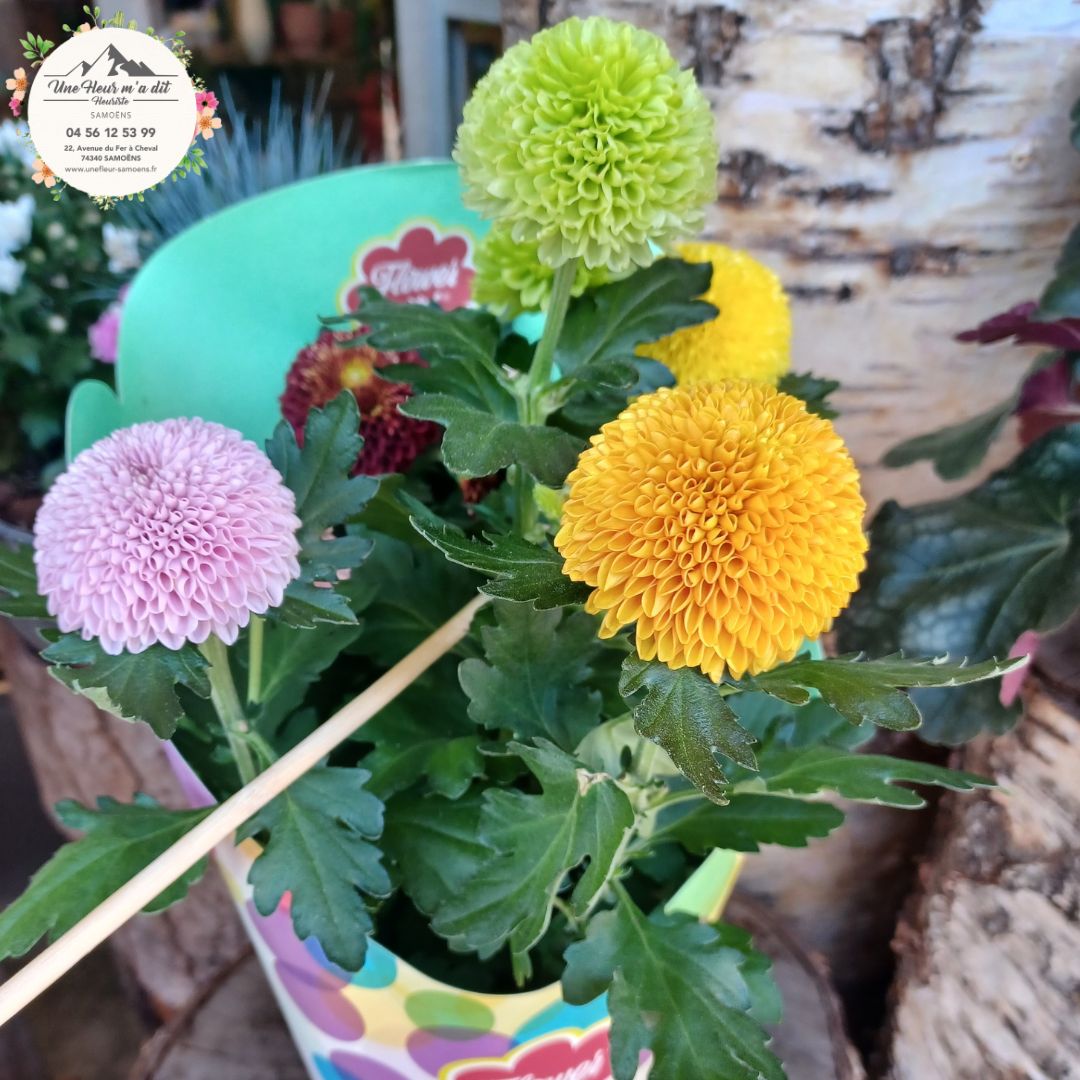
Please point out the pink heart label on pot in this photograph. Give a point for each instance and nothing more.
(419, 265)
(560, 1056)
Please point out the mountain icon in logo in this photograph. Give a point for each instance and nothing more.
(111, 64)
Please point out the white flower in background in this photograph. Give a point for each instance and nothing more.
(11, 274)
(56, 324)
(55, 231)
(122, 247)
(15, 145)
(16, 221)
(59, 281)
(36, 255)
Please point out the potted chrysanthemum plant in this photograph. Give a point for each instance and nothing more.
(518, 866)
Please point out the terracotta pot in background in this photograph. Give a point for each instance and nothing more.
(302, 27)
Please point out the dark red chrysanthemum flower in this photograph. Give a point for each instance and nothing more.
(336, 362)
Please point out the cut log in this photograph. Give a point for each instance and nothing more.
(811, 1040)
(233, 1030)
(904, 165)
(841, 895)
(80, 752)
(989, 953)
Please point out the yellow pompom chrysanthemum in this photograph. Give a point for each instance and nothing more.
(749, 339)
(724, 520)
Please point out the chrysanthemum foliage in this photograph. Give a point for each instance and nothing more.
(642, 689)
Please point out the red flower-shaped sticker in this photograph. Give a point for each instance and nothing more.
(562, 1056)
(419, 266)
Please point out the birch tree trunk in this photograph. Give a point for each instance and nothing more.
(990, 950)
(903, 164)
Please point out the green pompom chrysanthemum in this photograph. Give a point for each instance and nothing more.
(589, 141)
(511, 279)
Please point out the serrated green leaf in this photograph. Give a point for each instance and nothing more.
(679, 988)
(459, 347)
(478, 443)
(318, 848)
(746, 822)
(533, 841)
(138, 686)
(19, 597)
(417, 590)
(533, 678)
(868, 690)
(608, 324)
(327, 495)
(861, 777)
(292, 660)
(435, 845)
(518, 570)
(686, 714)
(120, 841)
(812, 391)
(967, 576)
(424, 733)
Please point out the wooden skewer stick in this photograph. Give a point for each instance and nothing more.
(130, 899)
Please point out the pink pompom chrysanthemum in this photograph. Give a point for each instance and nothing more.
(166, 532)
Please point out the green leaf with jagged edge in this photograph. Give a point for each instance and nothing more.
(861, 777)
(479, 443)
(533, 679)
(747, 821)
(534, 841)
(326, 497)
(317, 846)
(292, 660)
(693, 994)
(607, 324)
(120, 841)
(869, 690)
(435, 846)
(458, 346)
(967, 576)
(812, 391)
(19, 597)
(518, 570)
(686, 714)
(416, 591)
(133, 686)
(423, 734)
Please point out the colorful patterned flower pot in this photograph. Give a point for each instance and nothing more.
(393, 1022)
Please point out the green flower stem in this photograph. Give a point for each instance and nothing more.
(530, 410)
(544, 357)
(229, 709)
(255, 659)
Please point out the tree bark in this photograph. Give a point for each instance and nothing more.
(232, 1029)
(987, 984)
(811, 1039)
(904, 165)
(79, 752)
